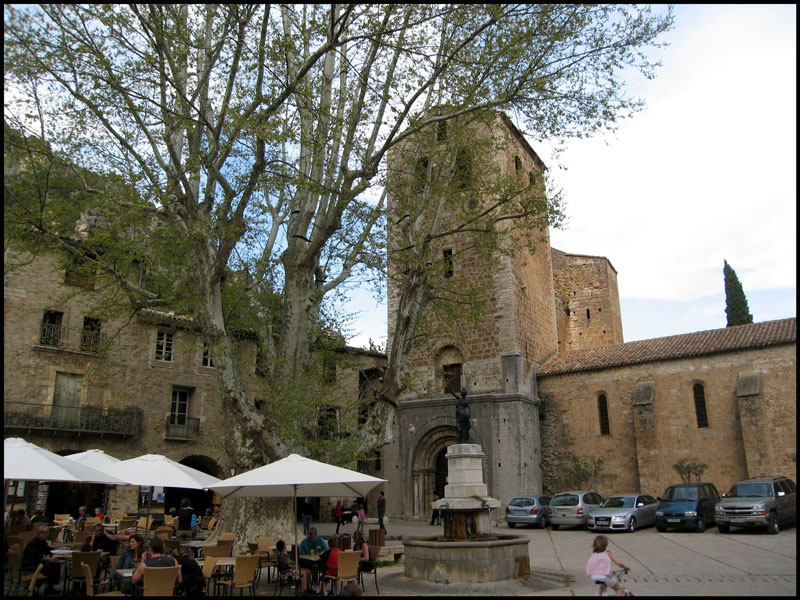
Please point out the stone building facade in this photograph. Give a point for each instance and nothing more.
(535, 403)
(152, 389)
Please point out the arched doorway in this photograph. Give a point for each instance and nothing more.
(429, 467)
(440, 477)
(199, 500)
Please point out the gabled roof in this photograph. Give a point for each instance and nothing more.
(740, 337)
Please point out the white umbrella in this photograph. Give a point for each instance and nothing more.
(286, 477)
(97, 459)
(23, 461)
(158, 470)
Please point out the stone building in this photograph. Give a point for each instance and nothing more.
(549, 377)
(74, 380)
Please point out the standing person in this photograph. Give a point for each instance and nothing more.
(155, 558)
(598, 567)
(381, 509)
(39, 551)
(362, 518)
(347, 514)
(436, 515)
(184, 529)
(306, 510)
(337, 513)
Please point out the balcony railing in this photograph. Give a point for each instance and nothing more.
(188, 430)
(53, 335)
(91, 420)
(57, 336)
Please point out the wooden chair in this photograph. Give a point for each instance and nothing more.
(91, 559)
(35, 576)
(171, 545)
(11, 540)
(347, 570)
(265, 546)
(244, 574)
(15, 576)
(373, 568)
(160, 581)
(91, 588)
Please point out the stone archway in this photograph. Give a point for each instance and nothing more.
(198, 499)
(427, 466)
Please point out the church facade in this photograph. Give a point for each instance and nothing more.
(550, 380)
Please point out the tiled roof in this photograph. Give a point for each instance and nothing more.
(741, 337)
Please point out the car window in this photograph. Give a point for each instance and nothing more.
(784, 485)
(595, 499)
(544, 500)
(705, 492)
(791, 485)
(682, 493)
(564, 500)
(713, 493)
(750, 490)
(521, 502)
(619, 503)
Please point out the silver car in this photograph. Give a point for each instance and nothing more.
(624, 512)
(528, 510)
(572, 508)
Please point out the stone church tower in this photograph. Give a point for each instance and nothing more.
(530, 313)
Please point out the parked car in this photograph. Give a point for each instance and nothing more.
(624, 512)
(758, 502)
(687, 506)
(528, 510)
(572, 508)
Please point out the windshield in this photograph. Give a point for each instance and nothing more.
(682, 493)
(522, 502)
(619, 503)
(751, 490)
(565, 500)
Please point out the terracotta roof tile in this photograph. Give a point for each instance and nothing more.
(741, 337)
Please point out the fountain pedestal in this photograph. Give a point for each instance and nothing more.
(468, 552)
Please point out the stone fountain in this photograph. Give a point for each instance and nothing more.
(467, 552)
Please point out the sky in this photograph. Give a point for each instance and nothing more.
(706, 173)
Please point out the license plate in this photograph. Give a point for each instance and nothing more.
(520, 512)
(603, 521)
(738, 520)
(673, 520)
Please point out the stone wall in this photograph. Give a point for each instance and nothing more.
(653, 424)
(587, 287)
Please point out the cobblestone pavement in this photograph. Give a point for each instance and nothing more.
(675, 563)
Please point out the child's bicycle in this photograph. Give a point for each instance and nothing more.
(603, 590)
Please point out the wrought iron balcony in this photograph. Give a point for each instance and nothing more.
(84, 420)
(57, 336)
(182, 428)
(53, 335)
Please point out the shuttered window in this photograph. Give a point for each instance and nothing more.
(602, 410)
(700, 405)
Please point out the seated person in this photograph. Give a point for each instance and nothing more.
(312, 545)
(98, 512)
(282, 558)
(329, 564)
(364, 563)
(129, 559)
(155, 558)
(39, 551)
(100, 540)
(191, 574)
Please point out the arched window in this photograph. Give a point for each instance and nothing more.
(700, 405)
(602, 411)
(449, 370)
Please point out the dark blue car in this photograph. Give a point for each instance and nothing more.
(687, 506)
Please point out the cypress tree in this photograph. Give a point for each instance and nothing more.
(736, 308)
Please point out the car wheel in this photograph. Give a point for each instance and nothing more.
(542, 523)
(555, 526)
(512, 525)
(701, 525)
(723, 528)
(772, 524)
(632, 525)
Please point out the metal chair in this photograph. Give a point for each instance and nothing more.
(160, 581)
(91, 588)
(347, 570)
(244, 574)
(371, 567)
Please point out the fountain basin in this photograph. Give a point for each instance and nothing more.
(469, 561)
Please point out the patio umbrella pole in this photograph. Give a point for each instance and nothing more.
(297, 588)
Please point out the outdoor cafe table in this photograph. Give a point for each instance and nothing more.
(196, 545)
